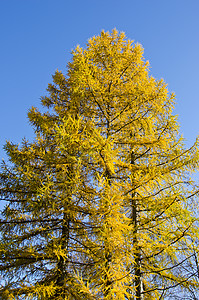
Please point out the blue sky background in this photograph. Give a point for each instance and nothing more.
(37, 37)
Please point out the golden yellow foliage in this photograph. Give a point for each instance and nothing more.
(102, 204)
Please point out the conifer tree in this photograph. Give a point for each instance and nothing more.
(102, 204)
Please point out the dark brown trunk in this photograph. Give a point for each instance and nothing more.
(108, 255)
(63, 262)
(137, 256)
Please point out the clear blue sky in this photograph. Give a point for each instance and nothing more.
(37, 37)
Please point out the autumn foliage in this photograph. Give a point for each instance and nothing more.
(102, 204)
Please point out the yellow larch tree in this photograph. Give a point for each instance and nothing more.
(102, 205)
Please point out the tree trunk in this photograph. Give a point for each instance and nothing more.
(137, 256)
(63, 262)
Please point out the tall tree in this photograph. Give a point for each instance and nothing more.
(102, 204)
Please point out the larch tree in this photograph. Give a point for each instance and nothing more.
(102, 204)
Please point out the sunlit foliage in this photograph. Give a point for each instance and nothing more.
(102, 204)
